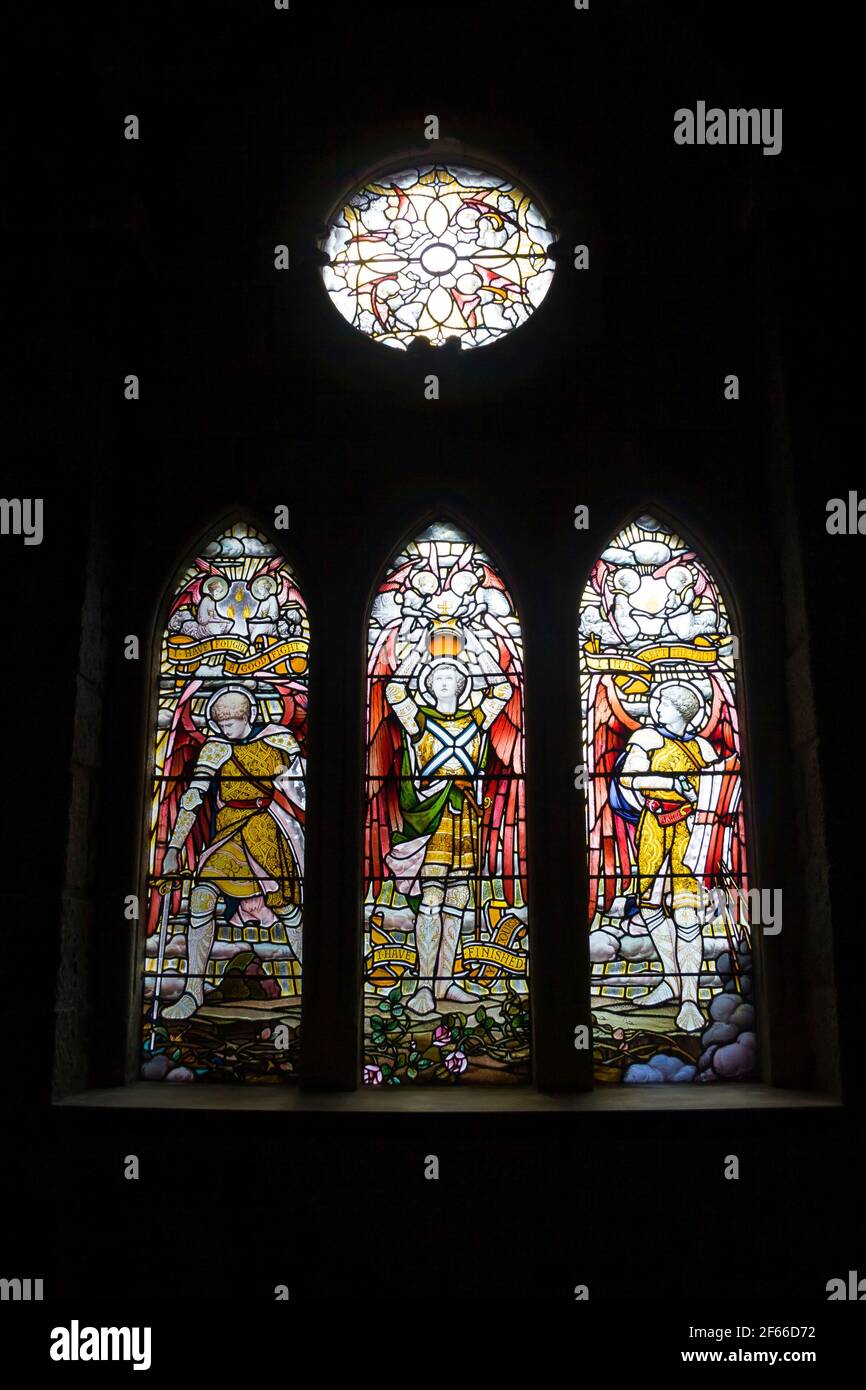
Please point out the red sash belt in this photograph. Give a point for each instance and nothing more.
(668, 812)
(260, 802)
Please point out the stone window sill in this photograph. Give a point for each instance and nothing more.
(143, 1095)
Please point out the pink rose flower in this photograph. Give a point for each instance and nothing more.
(456, 1062)
(372, 1076)
(442, 1035)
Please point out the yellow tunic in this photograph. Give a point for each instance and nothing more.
(453, 844)
(248, 839)
(428, 746)
(654, 842)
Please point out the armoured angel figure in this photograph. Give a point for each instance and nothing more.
(236, 816)
(446, 755)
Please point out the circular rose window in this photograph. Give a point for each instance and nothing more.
(437, 252)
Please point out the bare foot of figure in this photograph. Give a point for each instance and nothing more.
(185, 1006)
(422, 1001)
(662, 994)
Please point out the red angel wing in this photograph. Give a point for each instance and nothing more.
(294, 716)
(611, 838)
(191, 592)
(384, 742)
(184, 742)
(384, 738)
(723, 732)
(503, 843)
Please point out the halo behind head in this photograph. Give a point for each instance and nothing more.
(263, 586)
(226, 692)
(685, 697)
(426, 674)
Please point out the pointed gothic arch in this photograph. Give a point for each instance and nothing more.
(670, 911)
(221, 954)
(445, 903)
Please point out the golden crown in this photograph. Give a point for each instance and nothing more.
(445, 639)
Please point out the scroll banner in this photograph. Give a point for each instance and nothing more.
(475, 953)
(635, 674)
(482, 961)
(240, 658)
(282, 658)
(487, 953)
(386, 955)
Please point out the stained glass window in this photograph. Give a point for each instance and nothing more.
(225, 847)
(669, 900)
(445, 910)
(436, 252)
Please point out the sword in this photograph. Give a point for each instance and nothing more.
(741, 929)
(164, 888)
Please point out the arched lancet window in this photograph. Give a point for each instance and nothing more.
(445, 909)
(669, 904)
(225, 838)
(438, 251)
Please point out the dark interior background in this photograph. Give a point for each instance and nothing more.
(254, 392)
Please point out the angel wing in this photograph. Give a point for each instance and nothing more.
(293, 697)
(726, 854)
(191, 592)
(384, 736)
(503, 848)
(611, 834)
(182, 749)
(384, 742)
